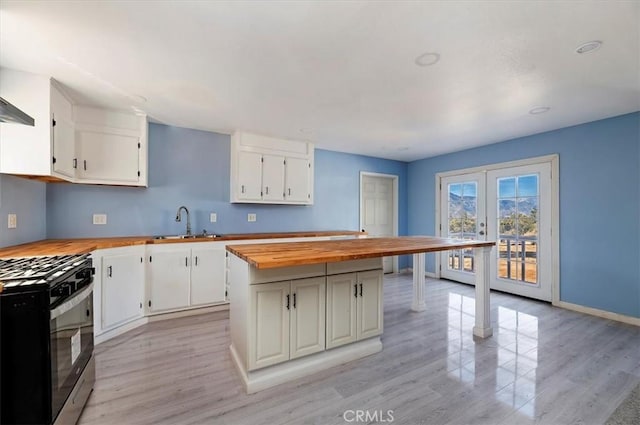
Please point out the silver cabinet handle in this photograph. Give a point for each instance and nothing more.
(289, 191)
(110, 271)
(186, 262)
(75, 162)
(196, 260)
(266, 190)
(242, 190)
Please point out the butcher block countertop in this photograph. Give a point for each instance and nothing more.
(267, 256)
(83, 246)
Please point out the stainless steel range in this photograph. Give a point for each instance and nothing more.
(46, 339)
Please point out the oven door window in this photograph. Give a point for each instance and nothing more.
(71, 349)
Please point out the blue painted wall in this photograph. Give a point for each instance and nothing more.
(599, 205)
(191, 167)
(27, 199)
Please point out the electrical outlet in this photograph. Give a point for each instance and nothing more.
(99, 219)
(251, 217)
(213, 217)
(12, 221)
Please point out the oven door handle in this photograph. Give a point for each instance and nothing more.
(72, 302)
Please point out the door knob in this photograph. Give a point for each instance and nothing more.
(481, 233)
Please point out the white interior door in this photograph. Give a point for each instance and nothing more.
(377, 210)
(519, 214)
(462, 216)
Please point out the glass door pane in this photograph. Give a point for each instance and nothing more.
(462, 218)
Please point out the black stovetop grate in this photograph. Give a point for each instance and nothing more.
(35, 268)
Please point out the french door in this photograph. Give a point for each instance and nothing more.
(512, 206)
(462, 203)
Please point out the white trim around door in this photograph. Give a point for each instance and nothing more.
(394, 181)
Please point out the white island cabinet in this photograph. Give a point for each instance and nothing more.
(280, 318)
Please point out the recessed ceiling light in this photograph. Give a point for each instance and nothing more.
(427, 59)
(588, 47)
(137, 98)
(539, 110)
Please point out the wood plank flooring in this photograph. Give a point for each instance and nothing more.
(543, 365)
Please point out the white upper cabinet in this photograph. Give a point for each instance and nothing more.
(110, 147)
(69, 142)
(268, 170)
(29, 150)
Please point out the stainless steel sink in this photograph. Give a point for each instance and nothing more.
(199, 236)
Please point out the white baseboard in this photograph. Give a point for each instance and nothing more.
(112, 333)
(599, 313)
(186, 313)
(427, 274)
(271, 376)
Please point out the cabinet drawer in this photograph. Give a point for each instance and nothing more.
(354, 266)
(285, 273)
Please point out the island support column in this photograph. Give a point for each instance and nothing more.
(418, 282)
(483, 306)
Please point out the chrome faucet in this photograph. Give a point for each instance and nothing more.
(179, 218)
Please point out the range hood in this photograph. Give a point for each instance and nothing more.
(9, 113)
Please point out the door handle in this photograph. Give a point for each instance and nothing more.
(266, 189)
(242, 189)
(294, 300)
(186, 260)
(355, 290)
(288, 302)
(481, 232)
(361, 289)
(196, 260)
(75, 162)
(110, 271)
(85, 165)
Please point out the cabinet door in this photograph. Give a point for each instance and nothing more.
(370, 308)
(269, 324)
(169, 280)
(64, 147)
(207, 275)
(341, 309)
(122, 289)
(272, 178)
(307, 316)
(297, 180)
(249, 176)
(108, 157)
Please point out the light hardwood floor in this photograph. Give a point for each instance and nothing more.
(543, 365)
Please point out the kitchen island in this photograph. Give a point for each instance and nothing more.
(301, 307)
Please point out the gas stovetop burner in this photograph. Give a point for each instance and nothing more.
(37, 270)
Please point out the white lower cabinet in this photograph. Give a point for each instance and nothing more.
(208, 271)
(186, 275)
(354, 307)
(287, 320)
(120, 286)
(169, 275)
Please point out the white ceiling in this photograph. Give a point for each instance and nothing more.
(343, 72)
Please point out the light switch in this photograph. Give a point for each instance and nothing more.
(12, 221)
(213, 217)
(251, 217)
(99, 219)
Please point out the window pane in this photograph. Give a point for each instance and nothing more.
(469, 190)
(507, 226)
(531, 273)
(506, 208)
(502, 268)
(455, 208)
(507, 187)
(468, 263)
(528, 185)
(455, 192)
(531, 251)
